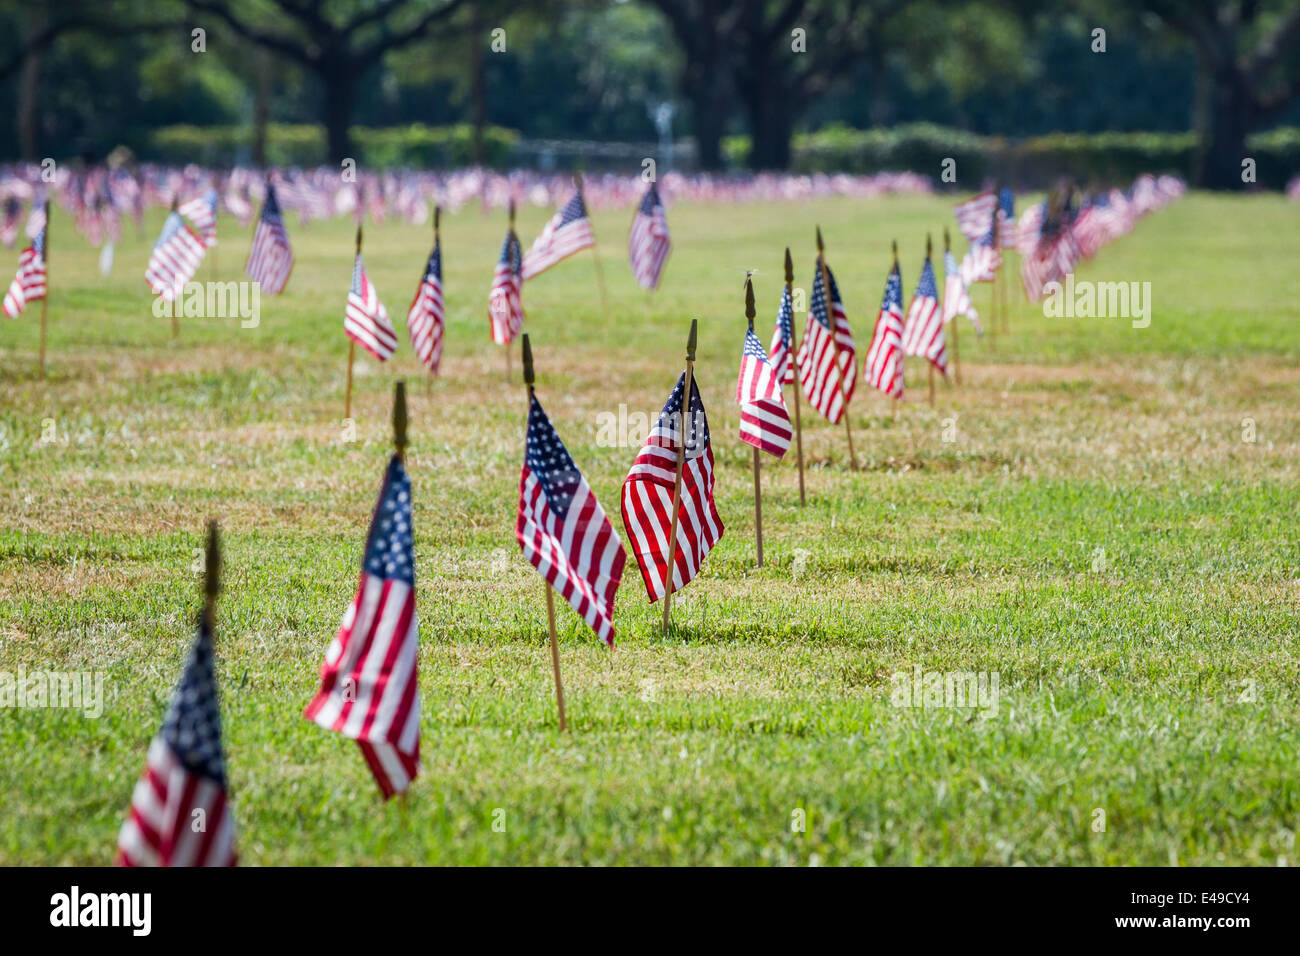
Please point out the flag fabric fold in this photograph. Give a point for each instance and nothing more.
(780, 353)
(369, 688)
(648, 495)
(365, 319)
(956, 297)
(764, 419)
(175, 258)
(425, 320)
(562, 529)
(828, 365)
(28, 283)
(567, 232)
(884, 366)
(202, 211)
(648, 243)
(923, 330)
(180, 813)
(270, 259)
(505, 303)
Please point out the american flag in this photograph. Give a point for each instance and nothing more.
(365, 319)
(202, 211)
(956, 298)
(175, 258)
(270, 260)
(828, 364)
(569, 231)
(425, 318)
(974, 215)
(984, 258)
(505, 308)
(648, 495)
(764, 419)
(884, 368)
(923, 330)
(179, 811)
(648, 243)
(29, 282)
(562, 528)
(779, 354)
(369, 689)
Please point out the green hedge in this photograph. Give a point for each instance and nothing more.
(303, 144)
(1036, 161)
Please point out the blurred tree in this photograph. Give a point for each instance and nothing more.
(338, 42)
(1249, 55)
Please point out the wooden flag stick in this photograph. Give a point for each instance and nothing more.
(352, 353)
(550, 596)
(211, 576)
(798, 426)
(595, 256)
(758, 485)
(830, 312)
(947, 248)
(399, 419)
(691, 342)
(45, 299)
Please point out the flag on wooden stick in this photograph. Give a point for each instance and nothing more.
(648, 493)
(369, 689)
(973, 215)
(779, 354)
(425, 319)
(505, 305)
(202, 211)
(175, 258)
(180, 814)
(923, 330)
(956, 297)
(28, 283)
(827, 359)
(884, 367)
(764, 419)
(365, 319)
(562, 529)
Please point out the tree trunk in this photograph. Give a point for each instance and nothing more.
(339, 92)
(771, 127)
(1231, 118)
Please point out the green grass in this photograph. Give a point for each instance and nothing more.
(1099, 535)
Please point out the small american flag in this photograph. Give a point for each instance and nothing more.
(1007, 219)
(974, 214)
(179, 811)
(648, 496)
(28, 284)
(779, 354)
(365, 319)
(923, 330)
(369, 689)
(648, 243)
(562, 528)
(270, 260)
(984, 258)
(956, 298)
(505, 307)
(884, 367)
(569, 231)
(764, 419)
(425, 319)
(176, 257)
(828, 363)
(202, 211)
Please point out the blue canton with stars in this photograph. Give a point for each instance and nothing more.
(819, 296)
(550, 462)
(390, 550)
(433, 271)
(650, 201)
(192, 727)
(271, 208)
(926, 288)
(573, 210)
(785, 317)
(1007, 203)
(753, 347)
(893, 301)
(697, 439)
(511, 254)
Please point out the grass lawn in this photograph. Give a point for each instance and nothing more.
(1098, 534)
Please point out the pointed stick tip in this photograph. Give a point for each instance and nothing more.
(527, 349)
(399, 416)
(692, 340)
(212, 564)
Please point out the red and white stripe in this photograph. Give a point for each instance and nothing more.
(175, 259)
(884, 366)
(975, 214)
(956, 297)
(764, 419)
(28, 283)
(827, 362)
(648, 242)
(923, 332)
(648, 501)
(425, 321)
(365, 319)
